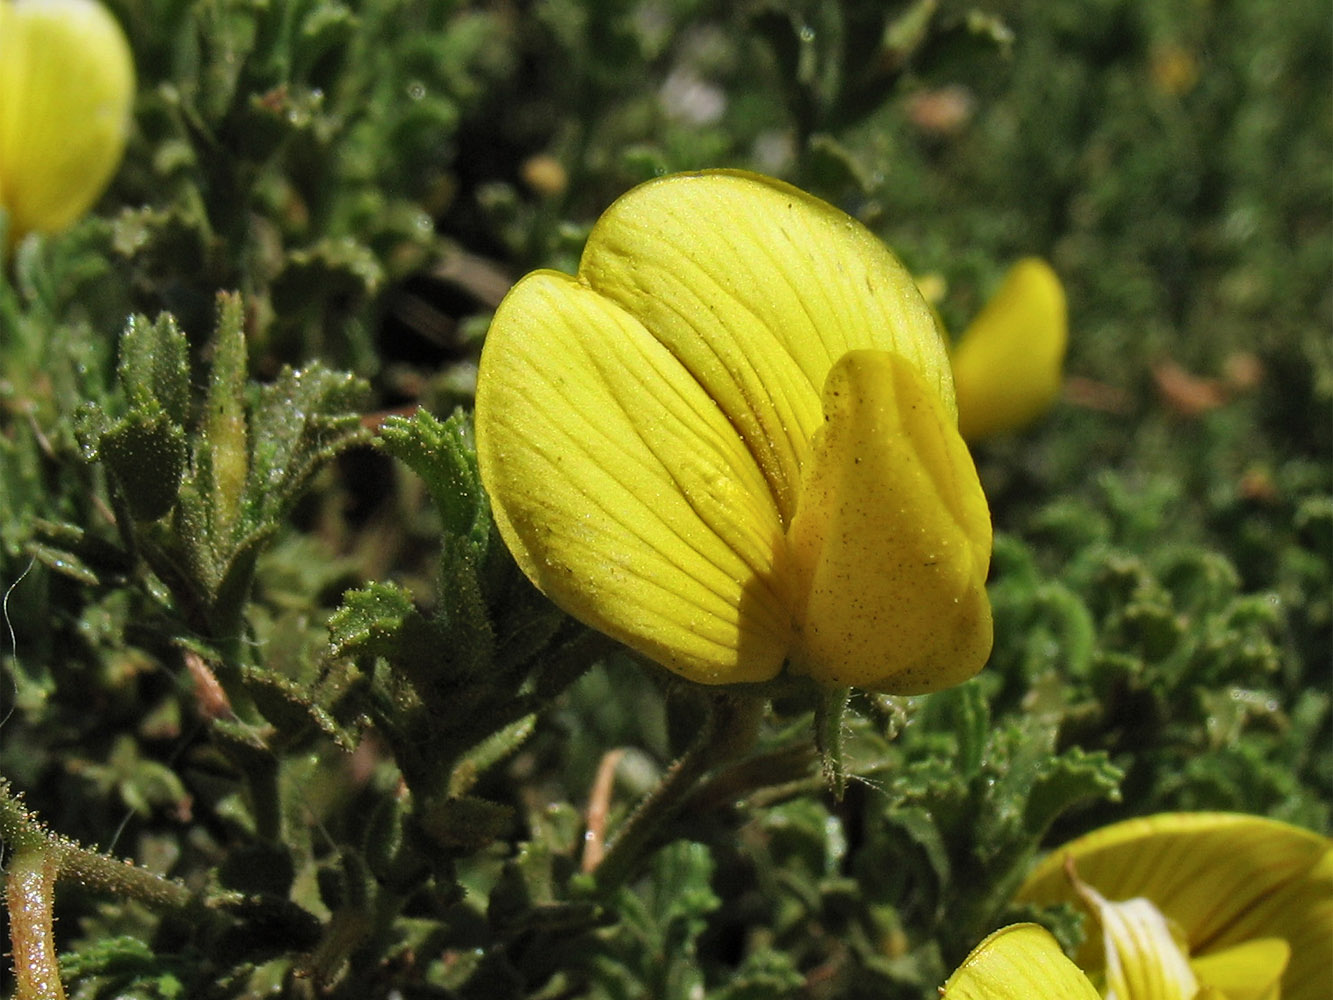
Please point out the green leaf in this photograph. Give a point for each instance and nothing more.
(325, 31)
(64, 562)
(683, 895)
(380, 619)
(341, 267)
(146, 452)
(290, 706)
(370, 620)
(258, 868)
(465, 824)
(489, 752)
(904, 34)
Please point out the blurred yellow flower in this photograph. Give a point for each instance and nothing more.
(1174, 69)
(1007, 364)
(66, 85)
(1208, 905)
(1019, 962)
(731, 443)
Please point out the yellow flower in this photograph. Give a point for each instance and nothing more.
(731, 443)
(66, 83)
(1007, 364)
(1019, 962)
(1208, 905)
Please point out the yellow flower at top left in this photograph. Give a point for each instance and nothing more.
(66, 87)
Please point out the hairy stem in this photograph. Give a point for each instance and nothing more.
(29, 895)
(829, 713)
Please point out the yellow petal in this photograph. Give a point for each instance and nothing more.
(1019, 962)
(66, 83)
(1222, 878)
(892, 537)
(1143, 961)
(1007, 365)
(622, 489)
(644, 431)
(758, 288)
(1249, 971)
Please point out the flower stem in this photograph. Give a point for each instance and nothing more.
(829, 714)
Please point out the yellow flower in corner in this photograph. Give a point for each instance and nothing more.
(66, 84)
(1007, 364)
(731, 443)
(1217, 906)
(1019, 962)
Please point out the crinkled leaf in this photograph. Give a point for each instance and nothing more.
(372, 620)
(301, 421)
(444, 455)
(154, 366)
(1062, 782)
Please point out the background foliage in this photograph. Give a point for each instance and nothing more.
(263, 637)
